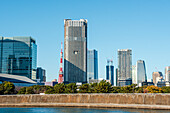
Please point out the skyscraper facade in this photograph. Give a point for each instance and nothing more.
(18, 56)
(140, 72)
(155, 75)
(75, 51)
(116, 78)
(110, 71)
(124, 67)
(92, 64)
(41, 74)
(134, 78)
(167, 74)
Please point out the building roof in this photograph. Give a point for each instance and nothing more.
(16, 79)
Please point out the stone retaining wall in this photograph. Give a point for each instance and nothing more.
(149, 99)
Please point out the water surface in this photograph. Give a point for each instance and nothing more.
(77, 110)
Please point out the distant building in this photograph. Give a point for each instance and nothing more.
(110, 71)
(75, 51)
(140, 72)
(167, 75)
(134, 78)
(41, 76)
(116, 78)
(92, 65)
(19, 81)
(160, 82)
(52, 83)
(18, 56)
(155, 75)
(124, 67)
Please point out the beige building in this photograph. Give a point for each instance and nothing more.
(155, 75)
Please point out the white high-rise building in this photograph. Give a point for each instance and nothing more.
(124, 67)
(167, 75)
(134, 74)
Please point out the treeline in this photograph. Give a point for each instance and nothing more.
(102, 87)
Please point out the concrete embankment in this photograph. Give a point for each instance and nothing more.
(140, 101)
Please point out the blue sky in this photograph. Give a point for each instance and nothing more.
(141, 25)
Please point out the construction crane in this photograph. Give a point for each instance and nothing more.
(60, 78)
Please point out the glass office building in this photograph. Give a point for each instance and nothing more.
(110, 72)
(140, 72)
(92, 64)
(18, 56)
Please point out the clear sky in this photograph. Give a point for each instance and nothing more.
(141, 25)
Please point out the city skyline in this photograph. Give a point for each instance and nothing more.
(139, 25)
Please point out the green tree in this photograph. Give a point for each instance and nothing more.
(102, 87)
(84, 88)
(1, 89)
(9, 88)
(59, 88)
(71, 88)
(166, 89)
(22, 90)
(29, 90)
(115, 89)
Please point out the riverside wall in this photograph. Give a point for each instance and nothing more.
(87, 99)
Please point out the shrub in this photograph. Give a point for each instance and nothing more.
(166, 89)
(154, 89)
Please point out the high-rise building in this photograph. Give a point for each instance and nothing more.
(92, 64)
(41, 76)
(140, 72)
(18, 56)
(155, 75)
(124, 67)
(134, 78)
(75, 51)
(167, 74)
(110, 71)
(116, 78)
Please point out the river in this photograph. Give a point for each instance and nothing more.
(77, 110)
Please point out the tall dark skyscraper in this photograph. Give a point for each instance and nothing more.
(75, 51)
(110, 71)
(124, 67)
(18, 56)
(92, 64)
(41, 74)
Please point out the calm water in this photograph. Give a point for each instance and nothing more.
(76, 110)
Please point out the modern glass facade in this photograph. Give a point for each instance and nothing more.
(92, 65)
(75, 51)
(41, 76)
(124, 67)
(110, 73)
(140, 72)
(18, 56)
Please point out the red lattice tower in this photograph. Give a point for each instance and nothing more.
(60, 78)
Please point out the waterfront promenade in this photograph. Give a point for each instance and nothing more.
(138, 101)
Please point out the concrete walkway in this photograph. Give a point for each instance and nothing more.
(89, 105)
